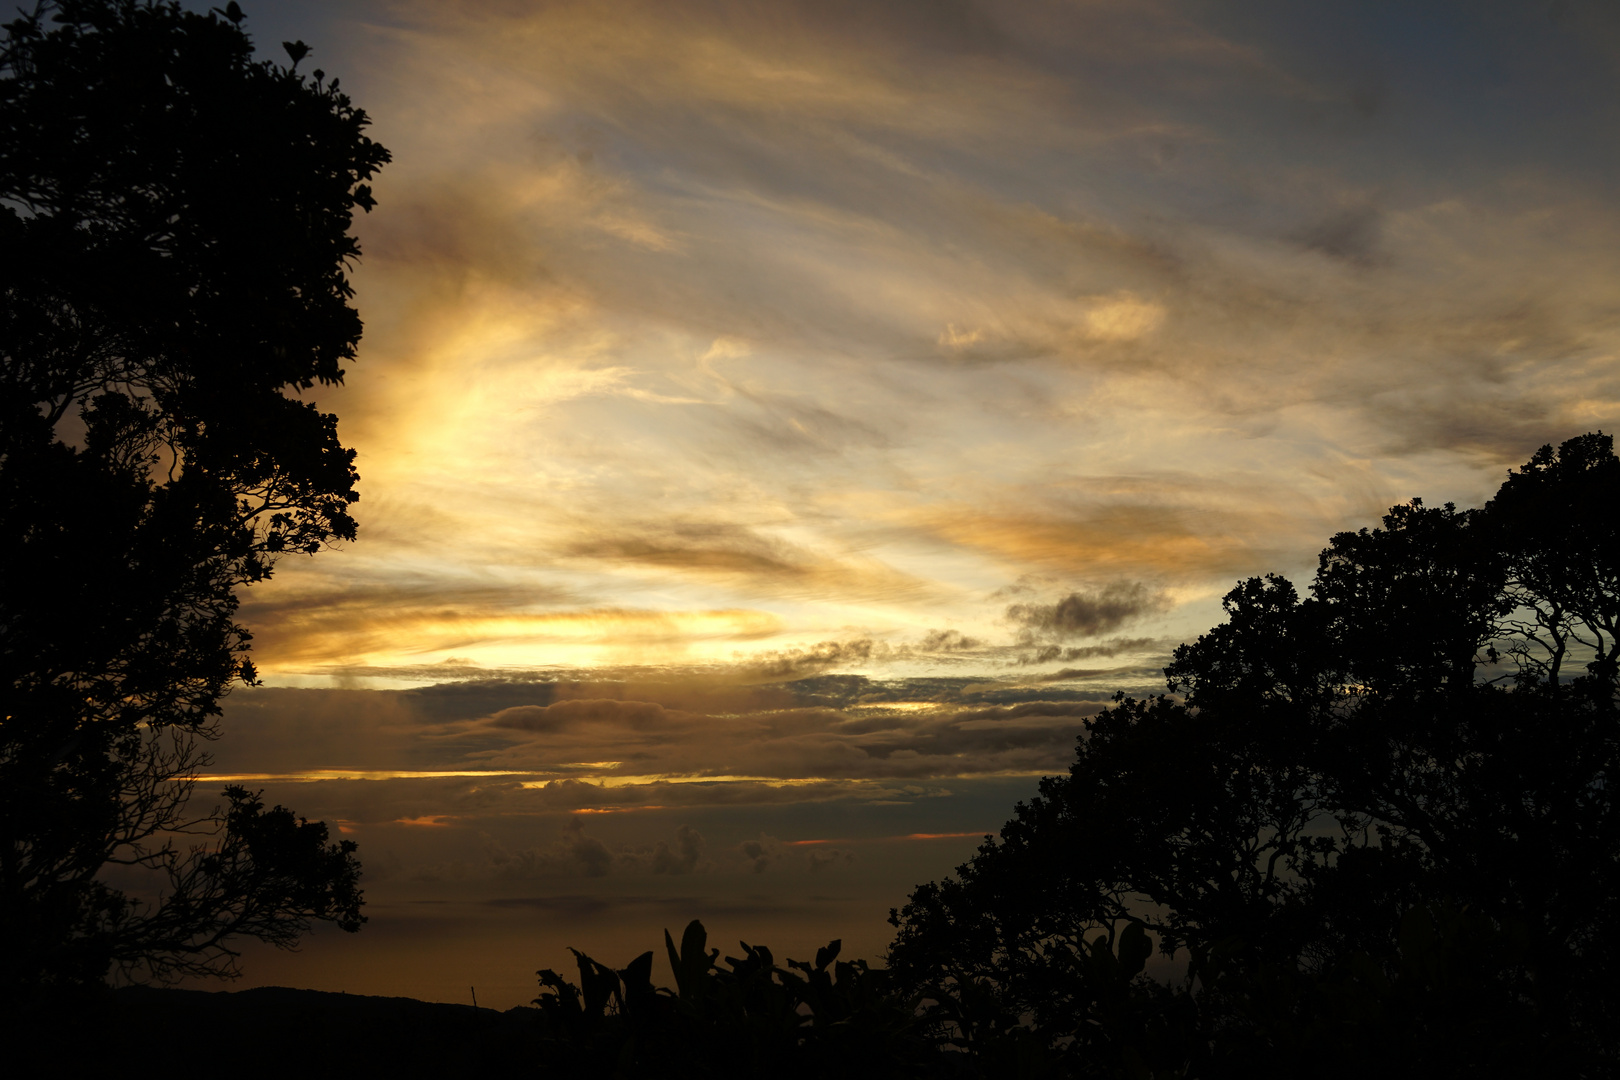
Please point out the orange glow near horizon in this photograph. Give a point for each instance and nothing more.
(310, 776)
(615, 809)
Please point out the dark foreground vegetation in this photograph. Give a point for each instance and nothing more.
(825, 1017)
(1370, 829)
(174, 242)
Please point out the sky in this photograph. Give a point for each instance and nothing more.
(782, 423)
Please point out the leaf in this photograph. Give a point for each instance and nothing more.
(691, 963)
(1134, 949)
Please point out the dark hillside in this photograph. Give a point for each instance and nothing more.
(277, 1032)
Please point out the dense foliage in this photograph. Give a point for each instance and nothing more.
(749, 1018)
(1373, 827)
(174, 218)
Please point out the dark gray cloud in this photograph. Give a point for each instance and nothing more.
(825, 858)
(1069, 674)
(572, 855)
(1087, 614)
(555, 717)
(947, 641)
(684, 857)
(476, 694)
(799, 662)
(1350, 234)
(1047, 653)
(1113, 648)
(760, 854)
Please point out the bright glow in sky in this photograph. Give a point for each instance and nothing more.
(955, 357)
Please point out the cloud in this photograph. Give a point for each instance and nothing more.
(577, 854)
(793, 325)
(573, 854)
(1088, 614)
(947, 641)
(1350, 234)
(798, 662)
(549, 718)
(1113, 647)
(761, 853)
(825, 858)
(684, 858)
(458, 753)
(1123, 316)
(303, 620)
(1167, 528)
(1044, 709)
(804, 661)
(1071, 674)
(1046, 653)
(746, 556)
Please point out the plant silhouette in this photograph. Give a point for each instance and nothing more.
(749, 1017)
(1376, 823)
(174, 217)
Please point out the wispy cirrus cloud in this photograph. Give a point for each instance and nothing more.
(841, 317)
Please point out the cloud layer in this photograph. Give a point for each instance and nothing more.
(780, 417)
(703, 329)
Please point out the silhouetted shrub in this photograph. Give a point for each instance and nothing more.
(746, 1018)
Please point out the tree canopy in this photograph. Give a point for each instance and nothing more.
(1374, 825)
(175, 220)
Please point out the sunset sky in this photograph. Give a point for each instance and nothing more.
(781, 423)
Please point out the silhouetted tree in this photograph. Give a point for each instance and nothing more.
(174, 225)
(1378, 822)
